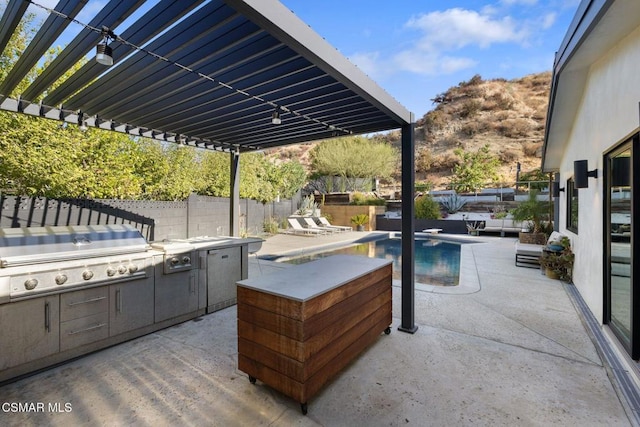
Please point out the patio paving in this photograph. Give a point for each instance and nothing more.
(512, 350)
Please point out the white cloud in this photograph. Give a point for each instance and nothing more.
(457, 28)
(369, 63)
(548, 20)
(432, 64)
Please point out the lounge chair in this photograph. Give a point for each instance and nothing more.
(309, 223)
(325, 222)
(297, 228)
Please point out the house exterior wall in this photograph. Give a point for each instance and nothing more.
(607, 115)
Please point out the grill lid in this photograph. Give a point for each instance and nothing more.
(20, 246)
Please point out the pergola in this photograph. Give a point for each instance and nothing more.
(209, 74)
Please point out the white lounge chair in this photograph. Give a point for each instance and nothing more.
(297, 228)
(325, 222)
(311, 224)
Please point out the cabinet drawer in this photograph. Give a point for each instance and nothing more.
(79, 304)
(74, 333)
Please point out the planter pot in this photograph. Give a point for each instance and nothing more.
(551, 274)
(360, 227)
(474, 232)
(533, 238)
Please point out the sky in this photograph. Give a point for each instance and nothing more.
(416, 49)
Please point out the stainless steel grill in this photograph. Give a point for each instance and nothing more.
(44, 260)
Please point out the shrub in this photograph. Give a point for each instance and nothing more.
(508, 155)
(427, 208)
(424, 160)
(271, 225)
(470, 108)
(361, 199)
(515, 128)
(434, 120)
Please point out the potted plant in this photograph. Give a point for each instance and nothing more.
(557, 260)
(360, 221)
(533, 212)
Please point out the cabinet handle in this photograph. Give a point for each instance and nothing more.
(47, 317)
(90, 328)
(118, 301)
(71, 304)
(192, 286)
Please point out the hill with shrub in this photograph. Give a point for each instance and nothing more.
(508, 116)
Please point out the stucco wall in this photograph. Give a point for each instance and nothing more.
(341, 214)
(607, 115)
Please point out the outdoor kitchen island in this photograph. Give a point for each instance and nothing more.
(299, 327)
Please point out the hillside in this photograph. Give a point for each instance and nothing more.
(508, 115)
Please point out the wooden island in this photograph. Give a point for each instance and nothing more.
(299, 327)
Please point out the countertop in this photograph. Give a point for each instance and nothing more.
(305, 281)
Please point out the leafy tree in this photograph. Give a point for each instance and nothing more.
(353, 157)
(475, 169)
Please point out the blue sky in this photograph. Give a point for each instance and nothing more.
(416, 49)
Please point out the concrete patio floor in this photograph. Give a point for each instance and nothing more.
(511, 351)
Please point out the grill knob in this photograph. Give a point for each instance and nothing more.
(61, 279)
(186, 259)
(87, 274)
(30, 284)
(111, 271)
(174, 260)
(122, 269)
(133, 268)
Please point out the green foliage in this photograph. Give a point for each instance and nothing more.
(474, 169)
(533, 210)
(427, 208)
(360, 219)
(354, 157)
(361, 199)
(538, 179)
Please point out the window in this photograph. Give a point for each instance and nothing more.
(572, 206)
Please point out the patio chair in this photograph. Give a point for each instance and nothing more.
(325, 222)
(297, 228)
(308, 222)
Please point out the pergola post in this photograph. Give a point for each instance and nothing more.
(408, 224)
(234, 202)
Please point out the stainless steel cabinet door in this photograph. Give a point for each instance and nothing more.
(130, 305)
(30, 330)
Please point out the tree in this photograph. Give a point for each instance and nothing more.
(475, 169)
(353, 157)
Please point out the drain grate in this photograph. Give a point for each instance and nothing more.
(623, 378)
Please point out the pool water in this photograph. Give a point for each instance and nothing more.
(437, 262)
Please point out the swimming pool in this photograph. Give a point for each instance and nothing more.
(437, 262)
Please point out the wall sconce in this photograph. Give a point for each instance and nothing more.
(581, 173)
(621, 171)
(275, 117)
(556, 189)
(104, 53)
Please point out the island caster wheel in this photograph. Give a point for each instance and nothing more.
(388, 330)
(252, 380)
(303, 407)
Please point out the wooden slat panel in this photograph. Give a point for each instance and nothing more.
(342, 309)
(303, 391)
(302, 351)
(329, 370)
(302, 331)
(269, 302)
(286, 326)
(302, 371)
(322, 302)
